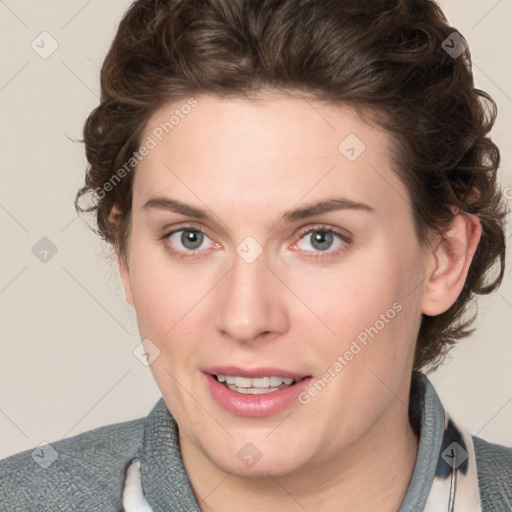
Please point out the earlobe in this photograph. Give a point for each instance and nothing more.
(450, 258)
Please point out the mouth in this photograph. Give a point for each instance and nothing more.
(256, 391)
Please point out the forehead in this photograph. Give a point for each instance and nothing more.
(265, 153)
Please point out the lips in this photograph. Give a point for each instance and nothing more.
(247, 402)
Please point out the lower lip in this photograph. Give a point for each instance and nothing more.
(254, 405)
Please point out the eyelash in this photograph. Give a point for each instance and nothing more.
(345, 241)
(179, 254)
(315, 229)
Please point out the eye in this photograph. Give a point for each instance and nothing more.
(323, 240)
(188, 240)
(191, 241)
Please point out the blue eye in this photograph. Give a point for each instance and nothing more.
(190, 239)
(322, 240)
(191, 242)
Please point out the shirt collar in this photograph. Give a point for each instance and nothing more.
(426, 413)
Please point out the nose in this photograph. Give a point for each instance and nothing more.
(251, 302)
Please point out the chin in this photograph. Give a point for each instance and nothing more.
(262, 469)
(258, 458)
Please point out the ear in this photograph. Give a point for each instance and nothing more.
(449, 263)
(115, 217)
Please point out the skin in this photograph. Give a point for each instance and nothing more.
(247, 162)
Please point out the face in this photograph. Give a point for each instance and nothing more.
(272, 238)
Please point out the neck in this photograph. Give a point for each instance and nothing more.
(372, 474)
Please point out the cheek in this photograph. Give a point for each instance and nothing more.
(348, 297)
(166, 293)
(363, 303)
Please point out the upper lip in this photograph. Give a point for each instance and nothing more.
(253, 372)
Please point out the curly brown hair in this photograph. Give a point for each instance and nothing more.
(386, 58)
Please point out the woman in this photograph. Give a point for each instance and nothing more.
(302, 198)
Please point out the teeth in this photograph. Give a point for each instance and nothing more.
(265, 384)
(261, 382)
(252, 391)
(242, 382)
(275, 381)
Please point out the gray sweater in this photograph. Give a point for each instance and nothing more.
(86, 472)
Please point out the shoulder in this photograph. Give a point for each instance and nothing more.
(494, 466)
(83, 472)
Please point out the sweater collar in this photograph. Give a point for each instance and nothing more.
(164, 479)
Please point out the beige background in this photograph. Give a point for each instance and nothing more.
(68, 336)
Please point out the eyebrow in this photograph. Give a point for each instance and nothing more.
(304, 212)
